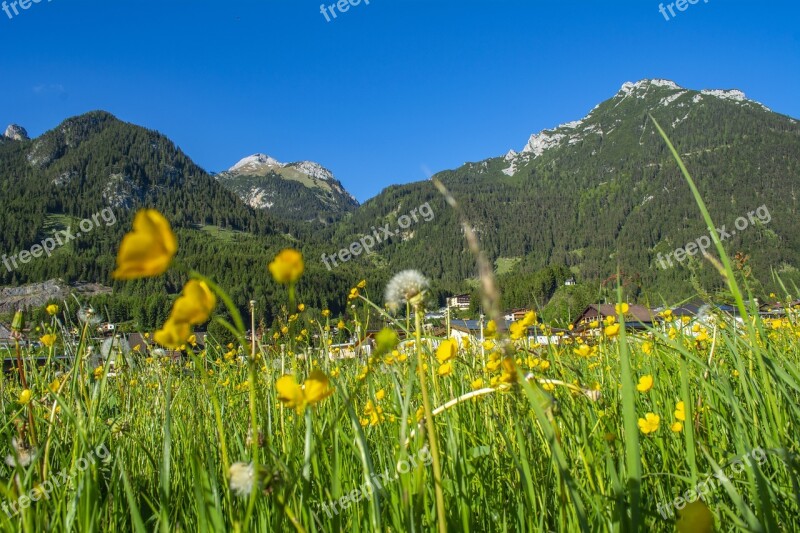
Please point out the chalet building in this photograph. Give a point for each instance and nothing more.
(469, 329)
(460, 302)
(638, 317)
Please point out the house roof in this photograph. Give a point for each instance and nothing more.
(637, 312)
(469, 326)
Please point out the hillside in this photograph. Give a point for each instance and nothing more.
(582, 199)
(603, 192)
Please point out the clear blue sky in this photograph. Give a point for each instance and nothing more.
(387, 92)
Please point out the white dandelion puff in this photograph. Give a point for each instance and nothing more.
(242, 478)
(23, 454)
(403, 287)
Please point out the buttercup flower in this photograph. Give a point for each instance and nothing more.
(195, 304)
(645, 383)
(52, 309)
(649, 423)
(612, 330)
(287, 267)
(148, 250)
(446, 350)
(48, 340)
(446, 369)
(315, 389)
(583, 350)
(192, 307)
(25, 397)
(680, 412)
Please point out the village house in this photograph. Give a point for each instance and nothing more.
(637, 317)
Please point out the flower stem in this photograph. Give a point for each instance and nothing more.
(426, 402)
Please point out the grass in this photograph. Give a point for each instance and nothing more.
(517, 459)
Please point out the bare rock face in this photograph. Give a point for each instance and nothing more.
(16, 133)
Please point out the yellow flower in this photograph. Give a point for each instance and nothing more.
(287, 267)
(51, 309)
(609, 320)
(195, 304)
(645, 383)
(326, 313)
(315, 389)
(517, 330)
(477, 384)
(172, 334)
(695, 518)
(148, 250)
(54, 386)
(677, 427)
(680, 411)
(420, 414)
(25, 397)
(48, 340)
(380, 395)
(341, 324)
(594, 324)
(446, 369)
(621, 309)
(193, 307)
(446, 350)
(301, 307)
(362, 284)
(374, 414)
(98, 372)
(491, 329)
(583, 350)
(647, 348)
(649, 423)
(612, 330)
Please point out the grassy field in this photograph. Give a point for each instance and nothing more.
(157, 440)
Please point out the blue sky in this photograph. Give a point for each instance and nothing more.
(387, 92)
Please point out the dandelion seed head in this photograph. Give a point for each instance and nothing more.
(23, 454)
(87, 315)
(242, 478)
(403, 287)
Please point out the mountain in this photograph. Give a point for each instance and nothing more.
(584, 200)
(603, 192)
(303, 191)
(92, 173)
